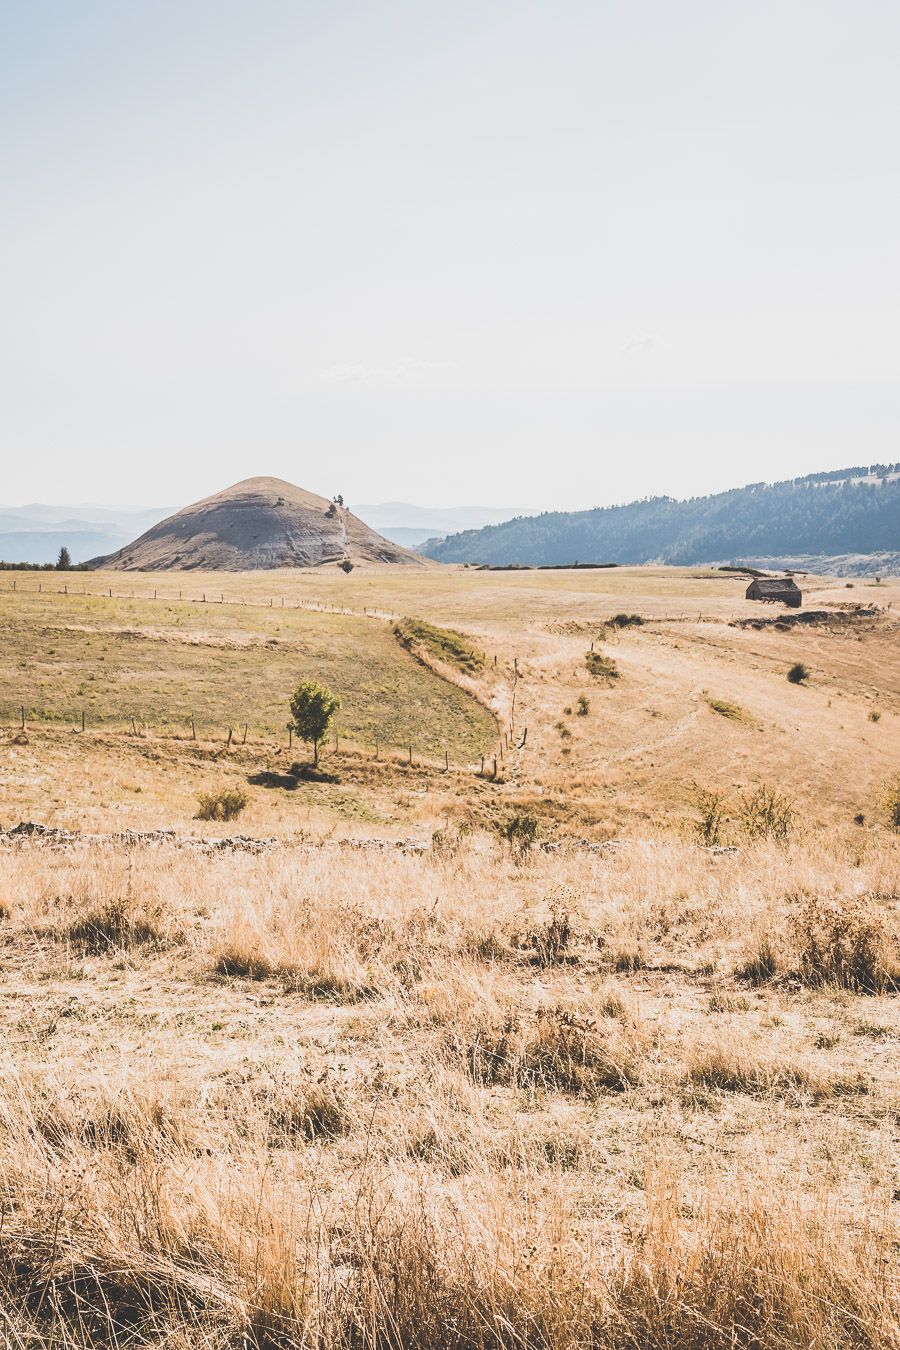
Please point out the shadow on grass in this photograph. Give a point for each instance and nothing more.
(291, 780)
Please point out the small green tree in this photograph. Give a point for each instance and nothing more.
(312, 708)
(64, 561)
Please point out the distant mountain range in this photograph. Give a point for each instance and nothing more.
(853, 511)
(413, 525)
(35, 533)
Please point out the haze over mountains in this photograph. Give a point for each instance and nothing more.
(35, 533)
(413, 525)
(842, 519)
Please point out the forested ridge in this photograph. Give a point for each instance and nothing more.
(830, 513)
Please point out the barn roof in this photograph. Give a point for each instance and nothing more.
(774, 585)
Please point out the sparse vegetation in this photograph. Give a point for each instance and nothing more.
(765, 813)
(892, 803)
(582, 705)
(710, 818)
(444, 644)
(520, 832)
(729, 710)
(798, 673)
(225, 804)
(601, 667)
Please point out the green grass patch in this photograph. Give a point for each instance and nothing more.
(224, 666)
(725, 709)
(444, 644)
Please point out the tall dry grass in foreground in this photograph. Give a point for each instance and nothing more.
(320, 1098)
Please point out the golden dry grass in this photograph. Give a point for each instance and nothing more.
(634, 1095)
(327, 1096)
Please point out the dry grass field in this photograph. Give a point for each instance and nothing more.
(601, 1049)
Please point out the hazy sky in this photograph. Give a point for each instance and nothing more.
(550, 254)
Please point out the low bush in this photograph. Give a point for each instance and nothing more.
(555, 1050)
(891, 801)
(847, 943)
(766, 814)
(520, 832)
(601, 667)
(710, 819)
(116, 923)
(227, 804)
(799, 673)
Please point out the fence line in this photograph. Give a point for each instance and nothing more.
(304, 603)
(205, 598)
(238, 734)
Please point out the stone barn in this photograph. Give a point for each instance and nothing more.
(779, 590)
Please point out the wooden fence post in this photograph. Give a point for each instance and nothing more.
(244, 741)
(82, 719)
(230, 734)
(410, 754)
(376, 747)
(495, 766)
(23, 716)
(133, 728)
(193, 729)
(482, 765)
(446, 761)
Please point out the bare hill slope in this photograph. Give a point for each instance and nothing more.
(258, 523)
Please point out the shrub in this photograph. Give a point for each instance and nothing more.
(845, 942)
(798, 673)
(520, 832)
(116, 923)
(625, 621)
(892, 802)
(583, 705)
(601, 667)
(762, 962)
(227, 804)
(556, 1050)
(549, 941)
(875, 716)
(766, 814)
(709, 822)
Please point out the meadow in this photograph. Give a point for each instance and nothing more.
(596, 1050)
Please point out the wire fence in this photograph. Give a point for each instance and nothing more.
(227, 738)
(183, 596)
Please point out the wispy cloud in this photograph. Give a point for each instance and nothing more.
(405, 370)
(640, 344)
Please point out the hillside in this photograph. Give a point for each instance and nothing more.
(595, 1038)
(260, 523)
(850, 512)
